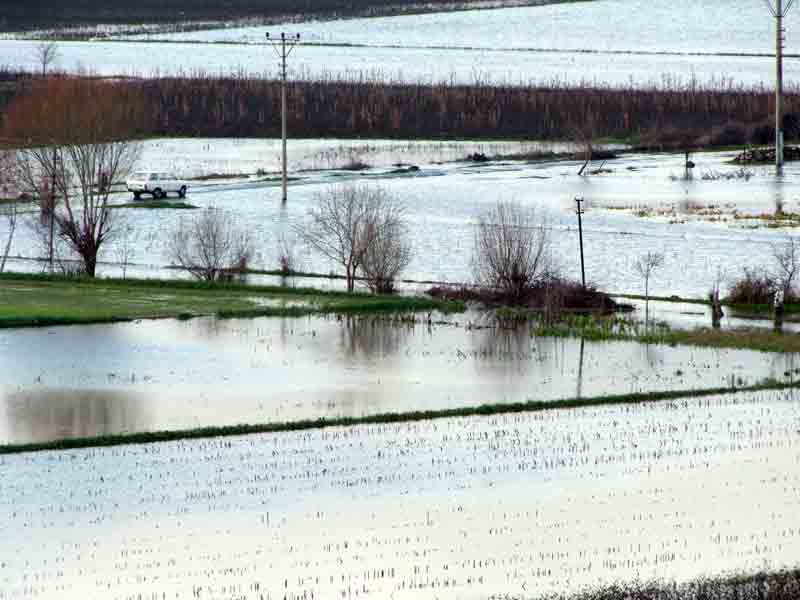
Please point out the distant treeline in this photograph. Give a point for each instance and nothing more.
(661, 117)
(248, 107)
(16, 15)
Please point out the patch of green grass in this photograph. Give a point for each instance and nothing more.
(660, 298)
(621, 329)
(43, 300)
(153, 204)
(215, 176)
(486, 409)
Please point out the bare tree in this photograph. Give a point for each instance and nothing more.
(211, 247)
(583, 134)
(346, 222)
(75, 133)
(8, 213)
(645, 265)
(389, 251)
(286, 255)
(124, 250)
(512, 250)
(786, 255)
(713, 297)
(46, 54)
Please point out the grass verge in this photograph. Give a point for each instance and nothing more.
(154, 204)
(385, 418)
(44, 300)
(620, 329)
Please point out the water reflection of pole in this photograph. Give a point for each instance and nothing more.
(778, 196)
(580, 237)
(579, 393)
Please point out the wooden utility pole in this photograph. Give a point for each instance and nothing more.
(283, 48)
(580, 237)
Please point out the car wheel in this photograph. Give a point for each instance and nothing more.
(158, 194)
(137, 195)
(182, 192)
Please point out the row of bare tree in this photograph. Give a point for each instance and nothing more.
(358, 227)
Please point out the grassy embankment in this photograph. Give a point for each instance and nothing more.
(37, 300)
(152, 437)
(621, 329)
(743, 310)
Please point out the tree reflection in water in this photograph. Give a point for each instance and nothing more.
(48, 414)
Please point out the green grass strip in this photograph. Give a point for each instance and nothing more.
(34, 300)
(385, 418)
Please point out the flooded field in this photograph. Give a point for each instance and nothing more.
(156, 375)
(705, 227)
(489, 507)
(508, 506)
(618, 42)
(733, 27)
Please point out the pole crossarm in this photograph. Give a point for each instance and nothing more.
(774, 8)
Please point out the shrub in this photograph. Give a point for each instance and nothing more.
(763, 134)
(512, 251)
(753, 288)
(211, 248)
(732, 134)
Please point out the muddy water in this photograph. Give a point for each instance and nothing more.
(91, 380)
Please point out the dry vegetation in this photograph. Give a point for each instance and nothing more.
(665, 117)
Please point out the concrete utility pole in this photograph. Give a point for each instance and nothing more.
(779, 10)
(283, 47)
(578, 201)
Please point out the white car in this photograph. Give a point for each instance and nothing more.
(157, 184)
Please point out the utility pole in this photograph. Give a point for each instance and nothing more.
(580, 237)
(779, 10)
(283, 47)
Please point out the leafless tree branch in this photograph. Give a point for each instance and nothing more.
(211, 247)
(512, 250)
(352, 224)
